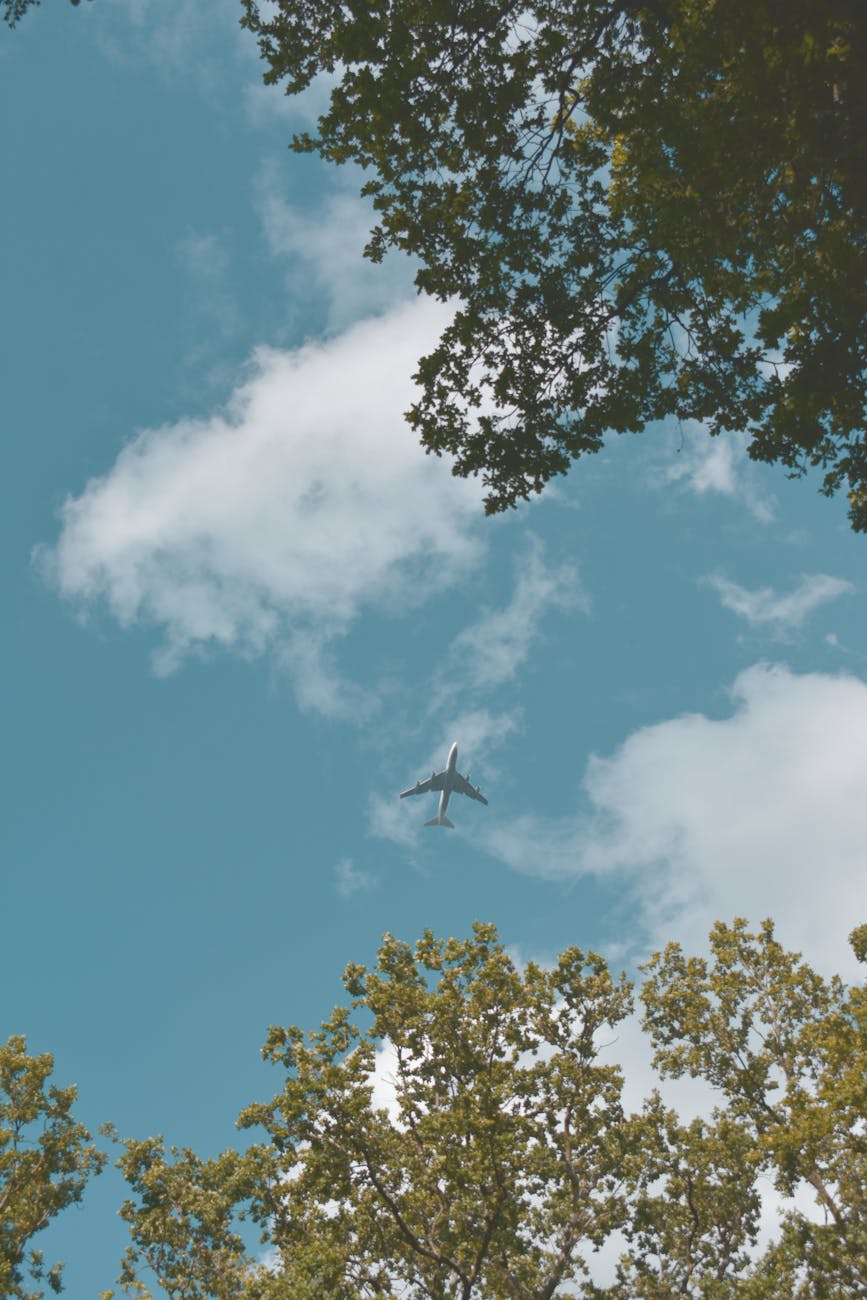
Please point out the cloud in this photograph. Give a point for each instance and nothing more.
(272, 523)
(180, 38)
(320, 685)
(489, 652)
(783, 613)
(719, 465)
(388, 819)
(351, 880)
(384, 1080)
(203, 255)
(484, 657)
(762, 813)
(323, 245)
(479, 730)
(266, 105)
(209, 300)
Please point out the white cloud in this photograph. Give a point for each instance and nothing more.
(762, 813)
(273, 522)
(181, 38)
(384, 1080)
(320, 685)
(484, 657)
(782, 612)
(201, 42)
(388, 819)
(205, 261)
(323, 245)
(478, 730)
(720, 466)
(489, 652)
(351, 880)
(264, 105)
(204, 256)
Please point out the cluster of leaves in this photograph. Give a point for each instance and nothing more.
(46, 1158)
(641, 210)
(499, 1158)
(185, 1219)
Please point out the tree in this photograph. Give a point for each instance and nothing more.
(13, 10)
(788, 1052)
(499, 1158)
(641, 210)
(500, 1166)
(46, 1158)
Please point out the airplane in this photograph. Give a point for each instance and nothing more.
(449, 782)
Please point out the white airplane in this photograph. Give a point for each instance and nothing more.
(450, 782)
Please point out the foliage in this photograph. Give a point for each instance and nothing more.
(46, 1158)
(458, 1131)
(13, 10)
(788, 1052)
(502, 1164)
(641, 210)
(695, 1214)
(183, 1223)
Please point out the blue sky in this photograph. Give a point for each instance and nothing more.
(243, 610)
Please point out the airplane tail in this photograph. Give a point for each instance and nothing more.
(440, 821)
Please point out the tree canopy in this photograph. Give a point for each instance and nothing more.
(46, 1158)
(458, 1131)
(640, 210)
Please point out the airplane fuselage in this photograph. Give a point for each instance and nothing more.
(449, 782)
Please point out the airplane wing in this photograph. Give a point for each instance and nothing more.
(434, 782)
(462, 786)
